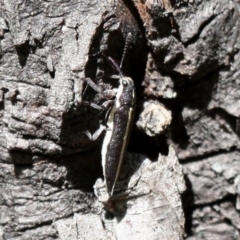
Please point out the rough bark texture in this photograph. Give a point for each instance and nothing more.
(184, 54)
(197, 63)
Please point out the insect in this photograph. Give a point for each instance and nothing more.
(119, 118)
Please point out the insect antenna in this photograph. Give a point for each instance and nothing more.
(127, 43)
(112, 61)
(115, 65)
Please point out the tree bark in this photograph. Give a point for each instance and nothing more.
(183, 57)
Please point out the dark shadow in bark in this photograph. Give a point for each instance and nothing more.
(188, 205)
(194, 95)
(20, 157)
(83, 169)
(150, 146)
(4, 91)
(23, 52)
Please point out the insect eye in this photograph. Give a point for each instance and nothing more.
(125, 83)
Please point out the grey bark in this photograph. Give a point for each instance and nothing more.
(183, 54)
(196, 62)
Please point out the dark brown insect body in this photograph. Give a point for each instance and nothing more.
(116, 138)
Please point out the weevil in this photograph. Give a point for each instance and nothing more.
(119, 117)
(119, 123)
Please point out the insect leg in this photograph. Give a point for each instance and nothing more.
(97, 134)
(105, 105)
(93, 85)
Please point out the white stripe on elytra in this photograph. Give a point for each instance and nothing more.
(125, 139)
(110, 126)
